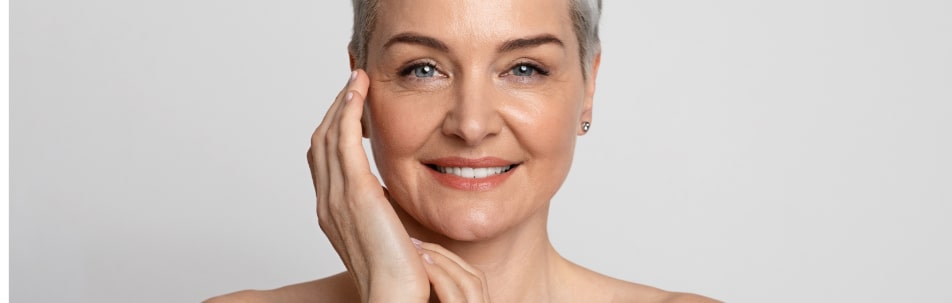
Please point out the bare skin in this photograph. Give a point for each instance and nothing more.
(340, 288)
(476, 85)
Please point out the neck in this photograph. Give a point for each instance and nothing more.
(519, 264)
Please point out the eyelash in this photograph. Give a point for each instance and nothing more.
(536, 67)
(408, 70)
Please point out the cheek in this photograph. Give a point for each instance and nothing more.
(548, 129)
(384, 129)
(552, 150)
(398, 128)
(555, 128)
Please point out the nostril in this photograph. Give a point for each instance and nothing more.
(473, 131)
(472, 119)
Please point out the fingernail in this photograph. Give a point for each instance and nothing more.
(353, 76)
(427, 258)
(348, 96)
(416, 243)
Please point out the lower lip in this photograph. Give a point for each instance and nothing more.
(471, 184)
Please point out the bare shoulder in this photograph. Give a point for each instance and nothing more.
(688, 298)
(244, 296)
(607, 289)
(633, 292)
(336, 288)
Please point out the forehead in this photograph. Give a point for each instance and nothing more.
(473, 24)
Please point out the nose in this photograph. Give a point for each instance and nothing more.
(474, 115)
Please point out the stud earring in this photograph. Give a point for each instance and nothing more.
(586, 126)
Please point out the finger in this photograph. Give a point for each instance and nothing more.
(460, 262)
(334, 115)
(450, 255)
(318, 164)
(332, 139)
(319, 138)
(332, 152)
(350, 145)
(451, 280)
(337, 100)
(443, 284)
(321, 131)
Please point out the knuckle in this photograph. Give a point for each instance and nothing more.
(321, 215)
(473, 282)
(323, 223)
(316, 136)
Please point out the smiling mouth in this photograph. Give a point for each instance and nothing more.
(472, 172)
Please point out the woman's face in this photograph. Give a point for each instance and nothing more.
(473, 109)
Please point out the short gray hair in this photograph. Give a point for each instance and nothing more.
(585, 17)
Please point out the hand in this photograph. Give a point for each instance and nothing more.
(453, 279)
(353, 208)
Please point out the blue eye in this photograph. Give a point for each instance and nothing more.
(424, 71)
(528, 70)
(523, 70)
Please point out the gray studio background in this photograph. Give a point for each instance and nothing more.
(752, 151)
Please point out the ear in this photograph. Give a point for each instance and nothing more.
(586, 115)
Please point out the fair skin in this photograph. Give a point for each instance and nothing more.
(492, 87)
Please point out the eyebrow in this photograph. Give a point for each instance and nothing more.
(417, 39)
(530, 42)
(508, 46)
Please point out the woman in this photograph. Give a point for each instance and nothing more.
(472, 108)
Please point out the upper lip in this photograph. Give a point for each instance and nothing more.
(467, 162)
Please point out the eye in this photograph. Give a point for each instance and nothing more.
(524, 70)
(422, 70)
(528, 70)
(422, 74)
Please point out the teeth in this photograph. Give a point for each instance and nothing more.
(480, 172)
(473, 172)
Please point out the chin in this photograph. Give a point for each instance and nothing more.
(475, 227)
(465, 223)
